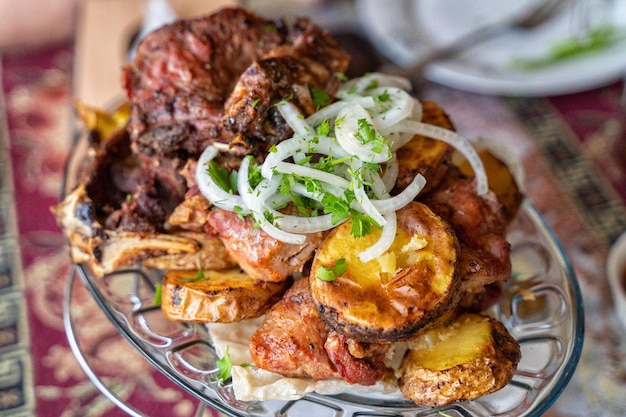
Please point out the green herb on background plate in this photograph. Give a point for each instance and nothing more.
(598, 39)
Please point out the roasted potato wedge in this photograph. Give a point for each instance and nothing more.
(102, 122)
(426, 156)
(501, 182)
(217, 296)
(413, 285)
(472, 356)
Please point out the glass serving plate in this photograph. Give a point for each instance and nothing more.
(541, 306)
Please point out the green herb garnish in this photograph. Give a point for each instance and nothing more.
(324, 128)
(224, 367)
(361, 224)
(320, 97)
(226, 180)
(331, 274)
(199, 277)
(368, 135)
(158, 295)
(598, 39)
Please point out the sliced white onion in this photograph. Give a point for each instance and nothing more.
(301, 224)
(330, 112)
(260, 194)
(361, 85)
(294, 118)
(387, 235)
(392, 168)
(459, 143)
(346, 135)
(323, 145)
(367, 206)
(403, 198)
(243, 181)
(398, 106)
(396, 115)
(213, 192)
(303, 171)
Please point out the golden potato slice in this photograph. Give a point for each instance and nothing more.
(217, 296)
(100, 121)
(426, 156)
(412, 285)
(470, 357)
(501, 182)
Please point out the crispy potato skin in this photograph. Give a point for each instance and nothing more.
(373, 307)
(452, 367)
(221, 297)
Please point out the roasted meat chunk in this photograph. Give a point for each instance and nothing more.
(480, 225)
(293, 340)
(180, 82)
(290, 341)
(183, 73)
(357, 362)
(260, 255)
(106, 250)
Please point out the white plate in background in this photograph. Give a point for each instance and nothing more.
(404, 29)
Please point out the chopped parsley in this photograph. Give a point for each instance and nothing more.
(158, 295)
(331, 274)
(226, 180)
(320, 97)
(598, 39)
(368, 135)
(224, 367)
(372, 85)
(382, 97)
(361, 224)
(324, 128)
(341, 76)
(255, 175)
(200, 276)
(338, 206)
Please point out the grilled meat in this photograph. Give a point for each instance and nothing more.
(293, 340)
(356, 362)
(181, 81)
(260, 255)
(290, 341)
(480, 226)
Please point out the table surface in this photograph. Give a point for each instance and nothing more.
(570, 149)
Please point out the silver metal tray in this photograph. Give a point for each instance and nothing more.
(541, 306)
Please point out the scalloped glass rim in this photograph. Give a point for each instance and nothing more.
(543, 310)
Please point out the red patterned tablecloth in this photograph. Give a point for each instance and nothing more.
(574, 172)
(38, 372)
